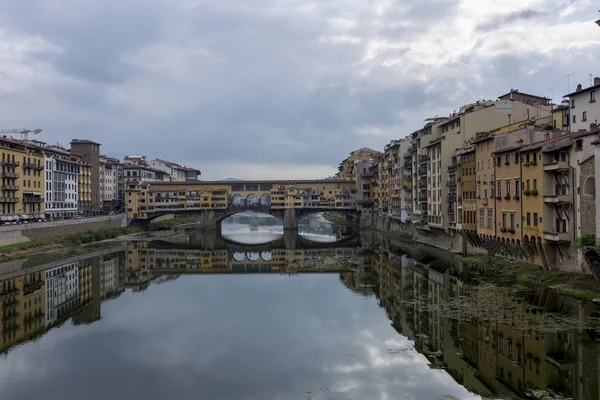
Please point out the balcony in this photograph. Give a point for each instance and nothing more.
(13, 175)
(9, 163)
(557, 236)
(423, 159)
(557, 199)
(422, 173)
(552, 166)
(422, 199)
(9, 199)
(30, 165)
(10, 187)
(32, 200)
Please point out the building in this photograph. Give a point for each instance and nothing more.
(485, 184)
(345, 167)
(585, 111)
(173, 171)
(136, 168)
(62, 292)
(560, 117)
(62, 183)
(395, 152)
(22, 181)
(90, 154)
(109, 183)
(363, 175)
(466, 203)
(84, 185)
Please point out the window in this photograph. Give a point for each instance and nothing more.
(579, 145)
(490, 218)
(512, 220)
(507, 161)
(488, 163)
(584, 116)
(535, 184)
(517, 187)
(528, 219)
(535, 219)
(527, 158)
(574, 118)
(573, 103)
(499, 160)
(481, 217)
(527, 187)
(517, 158)
(507, 188)
(593, 96)
(504, 220)
(499, 194)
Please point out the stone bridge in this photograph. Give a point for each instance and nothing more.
(288, 201)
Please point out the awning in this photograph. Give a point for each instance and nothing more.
(3, 218)
(24, 216)
(33, 193)
(10, 218)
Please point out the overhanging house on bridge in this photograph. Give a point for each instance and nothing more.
(216, 200)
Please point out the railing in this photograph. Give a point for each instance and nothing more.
(9, 199)
(423, 159)
(32, 165)
(32, 200)
(10, 175)
(9, 163)
(10, 187)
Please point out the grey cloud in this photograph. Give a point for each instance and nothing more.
(509, 18)
(245, 83)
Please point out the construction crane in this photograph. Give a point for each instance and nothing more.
(23, 132)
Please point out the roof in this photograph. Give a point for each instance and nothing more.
(453, 118)
(483, 138)
(560, 108)
(83, 141)
(524, 94)
(538, 145)
(582, 91)
(364, 150)
(506, 149)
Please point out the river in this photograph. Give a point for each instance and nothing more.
(261, 314)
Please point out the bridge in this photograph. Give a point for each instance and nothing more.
(213, 201)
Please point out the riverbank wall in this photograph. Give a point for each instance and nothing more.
(12, 234)
(549, 256)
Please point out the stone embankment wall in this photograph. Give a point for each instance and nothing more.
(11, 234)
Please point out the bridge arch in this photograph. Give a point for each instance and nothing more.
(252, 200)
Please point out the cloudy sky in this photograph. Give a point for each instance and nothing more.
(275, 88)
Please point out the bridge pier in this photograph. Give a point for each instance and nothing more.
(290, 221)
(208, 221)
(289, 239)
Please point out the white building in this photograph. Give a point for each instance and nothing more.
(62, 291)
(109, 182)
(109, 276)
(61, 183)
(173, 171)
(136, 168)
(585, 110)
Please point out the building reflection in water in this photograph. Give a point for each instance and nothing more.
(493, 340)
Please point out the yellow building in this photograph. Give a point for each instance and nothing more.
(23, 303)
(485, 183)
(346, 167)
(84, 186)
(22, 180)
(560, 117)
(508, 195)
(532, 200)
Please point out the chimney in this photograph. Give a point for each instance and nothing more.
(578, 88)
(596, 81)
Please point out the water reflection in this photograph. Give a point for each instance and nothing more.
(286, 332)
(265, 228)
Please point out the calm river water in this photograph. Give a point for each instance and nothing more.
(256, 314)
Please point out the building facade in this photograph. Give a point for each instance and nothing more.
(584, 109)
(62, 183)
(89, 152)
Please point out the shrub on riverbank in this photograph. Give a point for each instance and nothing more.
(173, 222)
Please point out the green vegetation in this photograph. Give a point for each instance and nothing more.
(337, 220)
(397, 235)
(67, 240)
(587, 240)
(506, 272)
(173, 222)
